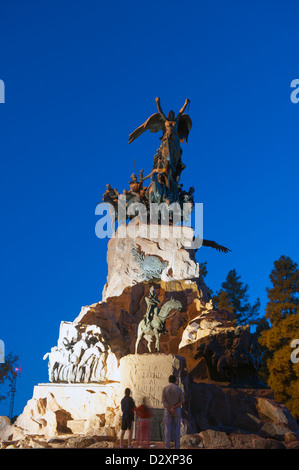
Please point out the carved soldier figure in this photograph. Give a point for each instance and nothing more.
(136, 187)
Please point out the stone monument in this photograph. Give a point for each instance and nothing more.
(154, 319)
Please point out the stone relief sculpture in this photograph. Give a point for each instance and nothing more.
(80, 355)
(150, 265)
(231, 356)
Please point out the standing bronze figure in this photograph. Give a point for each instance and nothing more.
(168, 159)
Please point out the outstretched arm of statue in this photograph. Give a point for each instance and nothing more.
(184, 107)
(157, 100)
(143, 178)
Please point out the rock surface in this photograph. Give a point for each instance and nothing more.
(230, 410)
(209, 439)
(119, 317)
(209, 339)
(94, 409)
(146, 254)
(220, 351)
(57, 409)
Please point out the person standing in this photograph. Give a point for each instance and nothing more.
(144, 416)
(172, 399)
(127, 407)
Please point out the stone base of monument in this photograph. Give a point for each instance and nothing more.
(93, 363)
(146, 375)
(58, 409)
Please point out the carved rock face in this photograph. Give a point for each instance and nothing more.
(82, 355)
(209, 340)
(223, 354)
(119, 317)
(158, 254)
(150, 265)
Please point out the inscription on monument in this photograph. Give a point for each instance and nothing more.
(150, 384)
(147, 374)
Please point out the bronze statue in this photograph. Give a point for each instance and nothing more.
(156, 326)
(157, 190)
(152, 302)
(165, 186)
(171, 126)
(169, 156)
(110, 195)
(136, 187)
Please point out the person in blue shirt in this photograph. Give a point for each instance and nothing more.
(172, 399)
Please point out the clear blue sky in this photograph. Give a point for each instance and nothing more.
(80, 76)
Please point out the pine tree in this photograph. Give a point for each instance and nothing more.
(233, 296)
(284, 293)
(262, 350)
(282, 312)
(222, 301)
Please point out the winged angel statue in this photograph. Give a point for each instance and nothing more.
(168, 162)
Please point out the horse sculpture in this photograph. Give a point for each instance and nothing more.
(155, 327)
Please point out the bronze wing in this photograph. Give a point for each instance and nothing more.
(154, 123)
(184, 127)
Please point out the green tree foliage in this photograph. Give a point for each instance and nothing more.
(262, 350)
(282, 312)
(284, 293)
(233, 296)
(7, 373)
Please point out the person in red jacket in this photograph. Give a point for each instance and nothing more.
(144, 415)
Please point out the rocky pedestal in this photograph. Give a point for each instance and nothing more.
(66, 409)
(164, 259)
(218, 350)
(61, 409)
(213, 358)
(141, 253)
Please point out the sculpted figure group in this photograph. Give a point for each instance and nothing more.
(79, 357)
(164, 179)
